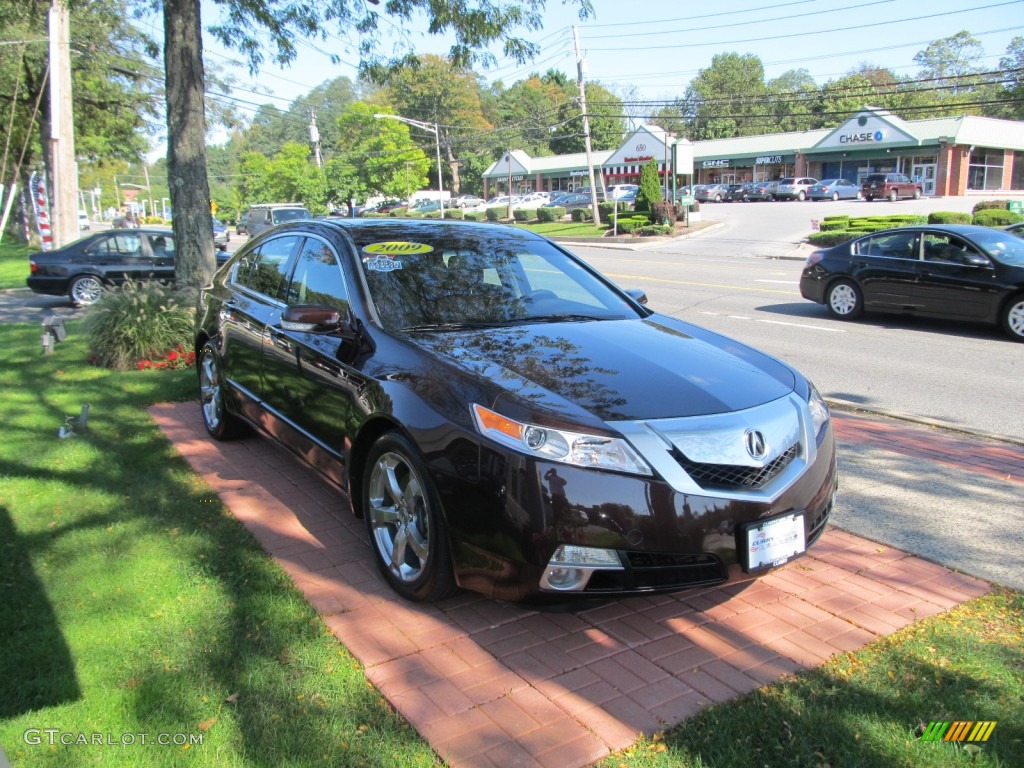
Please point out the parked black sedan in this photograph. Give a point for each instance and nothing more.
(963, 272)
(506, 419)
(82, 269)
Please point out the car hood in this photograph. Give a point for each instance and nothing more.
(614, 370)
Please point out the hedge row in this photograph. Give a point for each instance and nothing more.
(838, 229)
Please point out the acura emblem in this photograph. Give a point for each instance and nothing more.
(756, 446)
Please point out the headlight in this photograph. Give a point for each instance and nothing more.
(578, 449)
(819, 409)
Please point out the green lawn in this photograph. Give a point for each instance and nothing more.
(13, 264)
(131, 602)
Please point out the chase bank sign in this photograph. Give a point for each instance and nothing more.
(867, 137)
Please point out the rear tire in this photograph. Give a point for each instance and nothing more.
(917, 194)
(835, 197)
(403, 516)
(85, 291)
(220, 423)
(844, 300)
(801, 196)
(1013, 318)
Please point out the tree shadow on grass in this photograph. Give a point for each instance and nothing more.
(36, 668)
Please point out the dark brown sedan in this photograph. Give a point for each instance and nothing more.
(506, 419)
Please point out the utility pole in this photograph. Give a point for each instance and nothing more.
(62, 131)
(581, 66)
(314, 137)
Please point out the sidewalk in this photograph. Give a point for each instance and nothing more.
(495, 684)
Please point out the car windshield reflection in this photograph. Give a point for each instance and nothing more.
(1002, 246)
(473, 280)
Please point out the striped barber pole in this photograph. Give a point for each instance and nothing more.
(41, 209)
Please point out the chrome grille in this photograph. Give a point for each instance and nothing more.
(736, 476)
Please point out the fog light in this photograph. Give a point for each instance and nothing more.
(571, 567)
(563, 578)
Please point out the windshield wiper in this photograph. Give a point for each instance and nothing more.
(452, 326)
(563, 317)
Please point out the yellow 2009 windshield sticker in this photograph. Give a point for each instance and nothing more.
(396, 248)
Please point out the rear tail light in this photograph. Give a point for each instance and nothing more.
(33, 267)
(814, 258)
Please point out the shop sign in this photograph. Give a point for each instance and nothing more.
(768, 160)
(861, 138)
(643, 159)
(517, 178)
(716, 163)
(578, 173)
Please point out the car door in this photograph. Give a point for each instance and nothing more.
(886, 268)
(118, 256)
(956, 279)
(258, 283)
(311, 384)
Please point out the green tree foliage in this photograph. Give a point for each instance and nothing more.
(375, 156)
(607, 124)
(650, 187)
(113, 84)
(436, 90)
(727, 98)
(1013, 89)
(526, 111)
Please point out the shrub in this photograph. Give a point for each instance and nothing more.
(828, 239)
(655, 229)
(550, 214)
(627, 226)
(991, 205)
(136, 322)
(833, 226)
(650, 187)
(375, 215)
(949, 217)
(582, 214)
(837, 217)
(398, 213)
(454, 213)
(993, 217)
(430, 215)
(663, 213)
(474, 215)
(495, 214)
(524, 214)
(907, 219)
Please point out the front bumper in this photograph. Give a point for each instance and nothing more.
(508, 524)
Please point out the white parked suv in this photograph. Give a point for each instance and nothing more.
(794, 187)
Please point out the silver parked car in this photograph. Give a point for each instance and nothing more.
(794, 187)
(835, 189)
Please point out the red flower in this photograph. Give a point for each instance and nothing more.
(172, 356)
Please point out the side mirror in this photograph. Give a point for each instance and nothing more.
(311, 318)
(637, 295)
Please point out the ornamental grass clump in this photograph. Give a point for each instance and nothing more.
(136, 322)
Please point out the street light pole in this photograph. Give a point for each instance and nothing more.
(435, 129)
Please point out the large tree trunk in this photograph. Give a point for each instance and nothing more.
(186, 143)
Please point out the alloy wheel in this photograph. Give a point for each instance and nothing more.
(399, 517)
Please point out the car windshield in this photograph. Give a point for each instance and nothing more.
(290, 214)
(1001, 245)
(438, 278)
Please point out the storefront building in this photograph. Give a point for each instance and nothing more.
(950, 156)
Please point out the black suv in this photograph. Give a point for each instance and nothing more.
(890, 185)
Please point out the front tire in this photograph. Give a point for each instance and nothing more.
(844, 300)
(403, 518)
(1013, 318)
(85, 290)
(219, 422)
(893, 196)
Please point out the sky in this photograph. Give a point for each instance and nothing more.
(658, 46)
